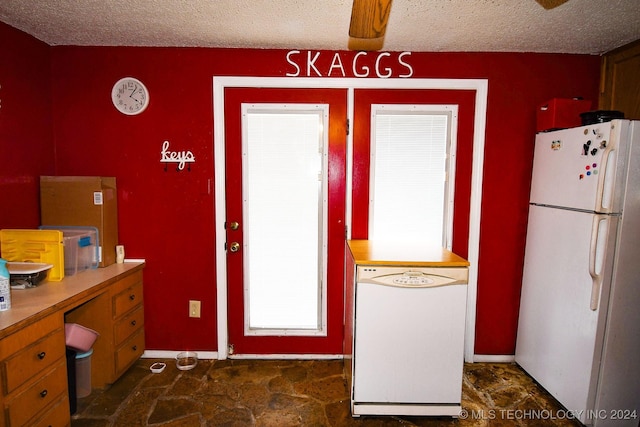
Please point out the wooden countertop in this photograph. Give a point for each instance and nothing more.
(28, 305)
(367, 252)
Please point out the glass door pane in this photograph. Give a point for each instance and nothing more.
(284, 175)
(412, 158)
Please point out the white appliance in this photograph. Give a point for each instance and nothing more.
(579, 324)
(408, 340)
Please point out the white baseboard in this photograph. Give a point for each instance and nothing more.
(204, 355)
(287, 356)
(171, 354)
(213, 355)
(494, 358)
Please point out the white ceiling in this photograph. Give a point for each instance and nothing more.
(578, 26)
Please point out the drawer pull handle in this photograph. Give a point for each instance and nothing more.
(134, 348)
(132, 297)
(41, 355)
(44, 393)
(133, 323)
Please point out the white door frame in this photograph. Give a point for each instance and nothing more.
(480, 86)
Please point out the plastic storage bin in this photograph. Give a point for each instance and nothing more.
(79, 251)
(83, 374)
(80, 248)
(79, 337)
(41, 246)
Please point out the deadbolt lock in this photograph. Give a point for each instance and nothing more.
(234, 247)
(234, 225)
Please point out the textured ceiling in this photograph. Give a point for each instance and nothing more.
(578, 26)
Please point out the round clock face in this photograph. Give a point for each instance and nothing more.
(130, 96)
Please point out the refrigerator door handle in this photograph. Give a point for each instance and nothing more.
(604, 192)
(599, 231)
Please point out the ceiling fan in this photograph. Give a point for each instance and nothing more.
(369, 22)
(550, 4)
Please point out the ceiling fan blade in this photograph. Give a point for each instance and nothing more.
(550, 4)
(368, 24)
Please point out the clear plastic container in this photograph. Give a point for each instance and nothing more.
(79, 251)
(80, 247)
(186, 360)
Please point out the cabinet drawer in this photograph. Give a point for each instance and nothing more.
(127, 299)
(37, 397)
(30, 334)
(129, 352)
(33, 359)
(129, 324)
(57, 416)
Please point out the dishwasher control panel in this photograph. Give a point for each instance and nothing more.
(411, 275)
(411, 278)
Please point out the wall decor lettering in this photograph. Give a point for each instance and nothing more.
(364, 64)
(179, 157)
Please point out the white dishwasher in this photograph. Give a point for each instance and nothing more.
(408, 340)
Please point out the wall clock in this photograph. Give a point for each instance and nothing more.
(130, 96)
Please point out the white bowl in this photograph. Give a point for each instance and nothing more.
(186, 360)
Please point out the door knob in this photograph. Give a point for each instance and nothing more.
(234, 247)
(234, 225)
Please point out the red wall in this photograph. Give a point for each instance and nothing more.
(167, 217)
(26, 145)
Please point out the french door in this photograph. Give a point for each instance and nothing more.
(285, 163)
(228, 95)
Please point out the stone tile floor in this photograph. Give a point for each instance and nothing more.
(265, 393)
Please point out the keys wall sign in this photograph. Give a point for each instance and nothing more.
(181, 158)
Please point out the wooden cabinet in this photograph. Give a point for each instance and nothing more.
(49, 388)
(33, 368)
(56, 416)
(118, 316)
(128, 322)
(34, 375)
(620, 86)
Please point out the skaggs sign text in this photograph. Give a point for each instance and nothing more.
(364, 64)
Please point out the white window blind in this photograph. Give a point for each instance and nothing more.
(283, 209)
(409, 192)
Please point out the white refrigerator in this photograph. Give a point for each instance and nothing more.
(579, 324)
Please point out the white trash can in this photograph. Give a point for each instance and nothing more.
(83, 373)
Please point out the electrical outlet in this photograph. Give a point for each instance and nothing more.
(194, 308)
